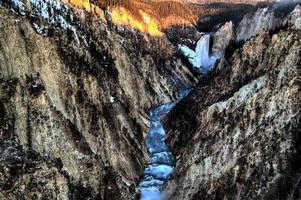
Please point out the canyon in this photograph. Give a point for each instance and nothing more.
(98, 104)
(243, 140)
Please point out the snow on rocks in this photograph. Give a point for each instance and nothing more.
(54, 12)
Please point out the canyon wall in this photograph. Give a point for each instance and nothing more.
(76, 90)
(74, 116)
(237, 135)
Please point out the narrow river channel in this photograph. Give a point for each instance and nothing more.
(162, 162)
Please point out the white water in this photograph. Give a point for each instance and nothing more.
(200, 58)
(162, 162)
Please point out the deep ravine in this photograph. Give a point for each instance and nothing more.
(58, 121)
(237, 136)
(162, 161)
(162, 164)
(91, 109)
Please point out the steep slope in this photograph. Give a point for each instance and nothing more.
(237, 136)
(74, 114)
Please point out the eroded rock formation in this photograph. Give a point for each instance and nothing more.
(76, 89)
(74, 117)
(237, 136)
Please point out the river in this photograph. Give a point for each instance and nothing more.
(162, 162)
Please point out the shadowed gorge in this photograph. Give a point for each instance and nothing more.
(150, 100)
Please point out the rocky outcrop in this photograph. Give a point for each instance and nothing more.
(237, 136)
(268, 18)
(74, 116)
(222, 38)
(253, 23)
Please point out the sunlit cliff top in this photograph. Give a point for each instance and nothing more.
(152, 16)
(146, 16)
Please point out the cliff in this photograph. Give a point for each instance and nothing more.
(74, 109)
(85, 92)
(237, 135)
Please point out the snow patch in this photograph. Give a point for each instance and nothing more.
(54, 12)
(40, 29)
(18, 6)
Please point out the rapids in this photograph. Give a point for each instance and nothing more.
(162, 161)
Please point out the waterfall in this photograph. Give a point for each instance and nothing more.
(202, 52)
(200, 58)
(202, 49)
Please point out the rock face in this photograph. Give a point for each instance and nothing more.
(222, 38)
(268, 18)
(237, 136)
(75, 92)
(253, 23)
(74, 118)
